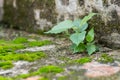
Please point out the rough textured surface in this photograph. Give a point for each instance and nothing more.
(33, 78)
(1, 9)
(112, 41)
(62, 57)
(95, 69)
(37, 15)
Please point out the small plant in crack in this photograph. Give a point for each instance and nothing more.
(82, 39)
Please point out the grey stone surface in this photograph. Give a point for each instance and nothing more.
(112, 40)
(37, 15)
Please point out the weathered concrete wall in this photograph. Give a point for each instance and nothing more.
(35, 15)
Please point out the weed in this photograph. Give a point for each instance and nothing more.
(81, 39)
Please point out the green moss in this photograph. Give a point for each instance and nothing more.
(27, 56)
(50, 69)
(19, 40)
(63, 78)
(81, 60)
(23, 76)
(4, 78)
(20, 43)
(43, 78)
(39, 43)
(105, 58)
(6, 64)
(8, 47)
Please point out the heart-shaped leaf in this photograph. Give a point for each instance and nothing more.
(90, 35)
(86, 18)
(91, 48)
(77, 22)
(62, 26)
(84, 27)
(77, 38)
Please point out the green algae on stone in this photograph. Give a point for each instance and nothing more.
(105, 58)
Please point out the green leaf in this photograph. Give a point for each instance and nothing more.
(62, 26)
(80, 48)
(77, 38)
(90, 35)
(77, 22)
(78, 27)
(84, 27)
(86, 18)
(91, 48)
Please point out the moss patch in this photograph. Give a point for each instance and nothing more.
(105, 58)
(9, 57)
(27, 56)
(63, 78)
(20, 40)
(8, 48)
(4, 78)
(20, 43)
(81, 60)
(43, 78)
(6, 65)
(39, 43)
(50, 69)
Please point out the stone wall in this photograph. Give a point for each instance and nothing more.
(37, 15)
(1, 9)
